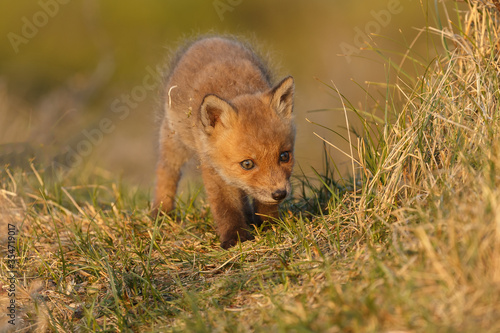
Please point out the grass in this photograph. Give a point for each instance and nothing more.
(411, 243)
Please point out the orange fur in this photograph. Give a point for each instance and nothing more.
(221, 109)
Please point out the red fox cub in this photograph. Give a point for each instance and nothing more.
(221, 109)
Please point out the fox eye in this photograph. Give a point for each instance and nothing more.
(285, 157)
(247, 164)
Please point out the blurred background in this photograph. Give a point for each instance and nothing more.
(79, 79)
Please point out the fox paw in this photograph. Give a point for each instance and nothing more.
(156, 212)
(230, 241)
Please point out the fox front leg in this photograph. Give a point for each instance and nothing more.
(266, 212)
(228, 205)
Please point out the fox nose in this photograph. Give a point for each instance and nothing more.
(279, 195)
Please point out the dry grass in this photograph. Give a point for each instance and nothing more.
(416, 247)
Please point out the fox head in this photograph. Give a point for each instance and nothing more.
(249, 140)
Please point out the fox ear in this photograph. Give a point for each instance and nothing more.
(282, 97)
(215, 110)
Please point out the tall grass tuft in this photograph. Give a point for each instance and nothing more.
(431, 181)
